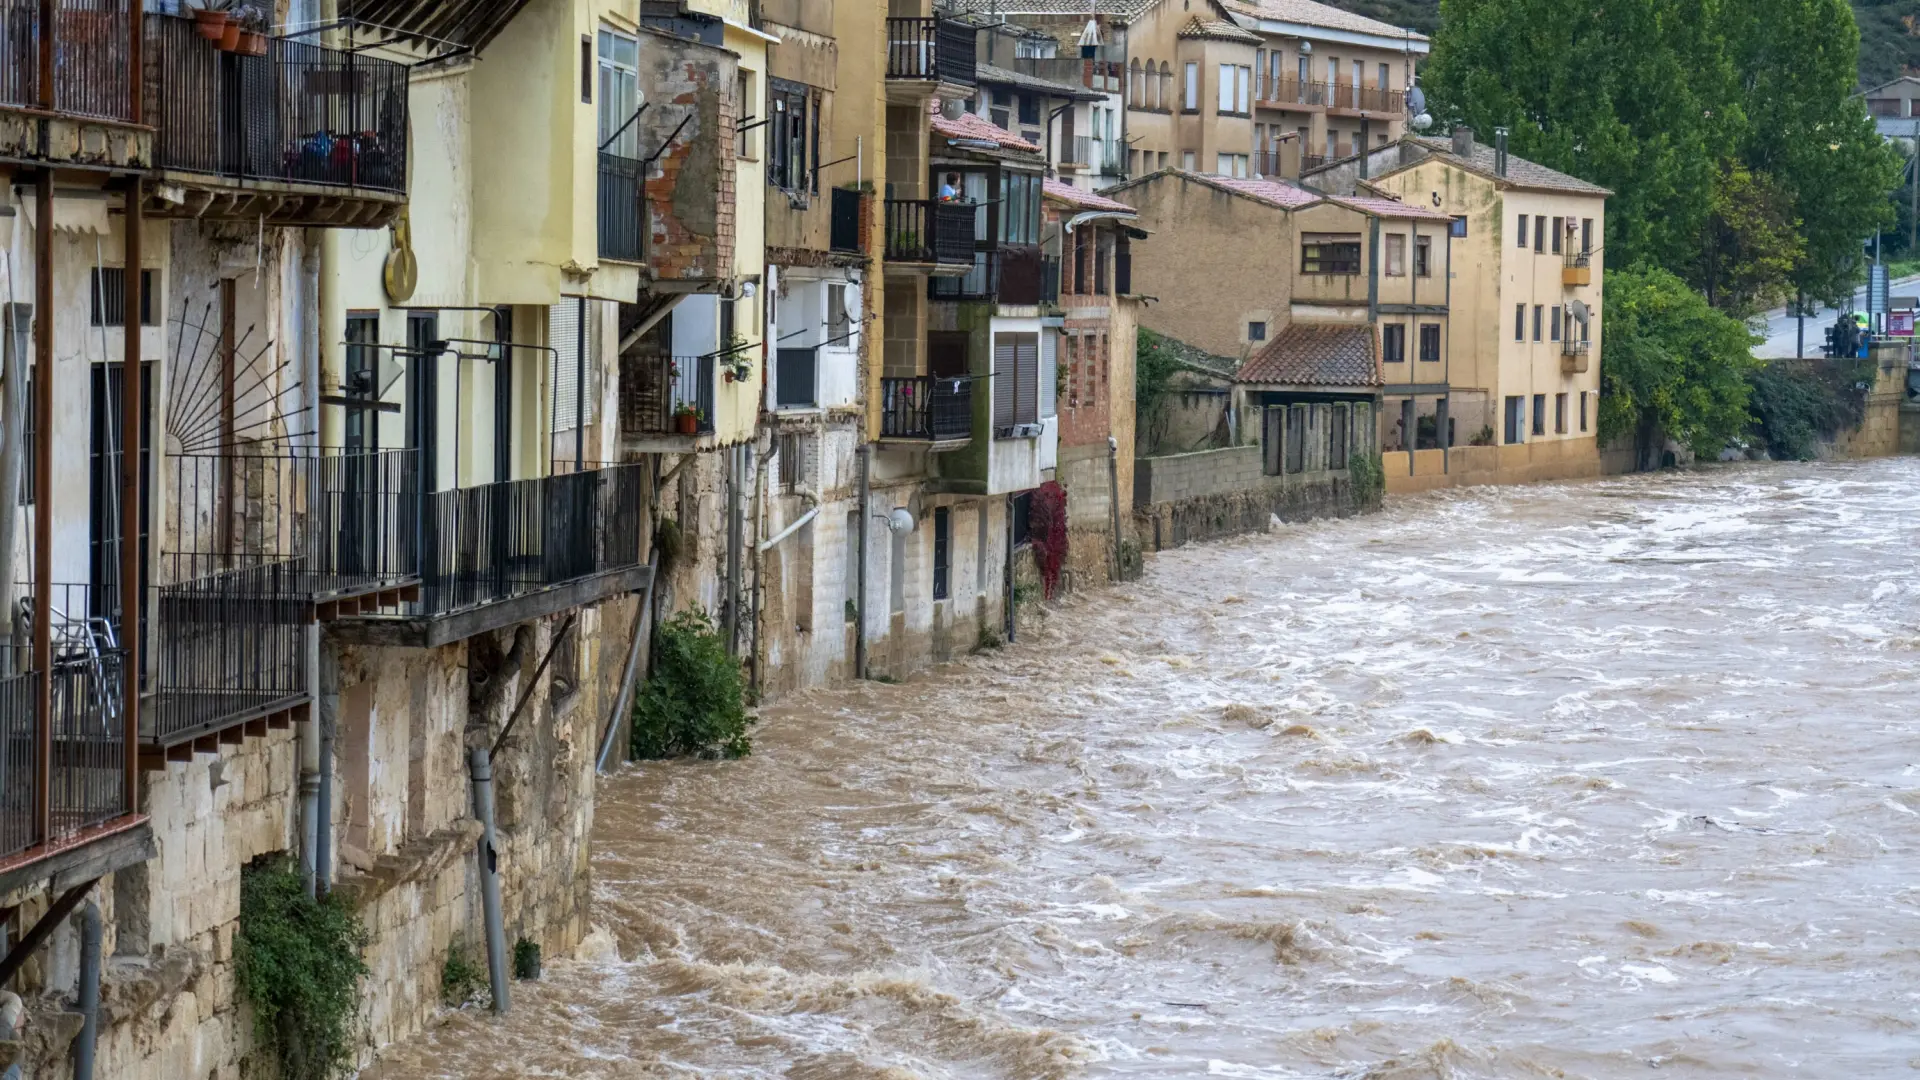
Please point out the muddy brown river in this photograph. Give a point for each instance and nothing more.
(1616, 779)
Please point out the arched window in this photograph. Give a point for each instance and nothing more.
(1166, 87)
(1135, 87)
(1150, 88)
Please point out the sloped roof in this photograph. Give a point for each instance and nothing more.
(1219, 30)
(974, 126)
(470, 24)
(995, 75)
(1085, 200)
(1381, 206)
(1123, 9)
(1321, 15)
(1315, 354)
(1521, 173)
(1271, 192)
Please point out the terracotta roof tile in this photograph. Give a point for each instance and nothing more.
(1086, 200)
(1219, 30)
(1271, 192)
(1380, 206)
(1321, 15)
(1315, 354)
(1521, 173)
(974, 126)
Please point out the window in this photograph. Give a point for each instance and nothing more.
(1430, 342)
(1553, 325)
(1459, 227)
(1029, 109)
(839, 320)
(1020, 208)
(1260, 74)
(942, 550)
(1423, 256)
(1558, 225)
(1333, 70)
(1396, 255)
(1516, 411)
(1337, 439)
(1226, 88)
(1522, 233)
(363, 379)
(110, 297)
(1306, 71)
(1191, 102)
(1256, 331)
(1243, 89)
(1386, 76)
(1001, 111)
(1330, 253)
(1539, 414)
(587, 69)
(1586, 236)
(1583, 410)
(1539, 316)
(1102, 259)
(1519, 322)
(1016, 382)
(788, 165)
(1187, 161)
(786, 457)
(1560, 414)
(745, 106)
(1393, 343)
(619, 93)
(1231, 165)
(1539, 233)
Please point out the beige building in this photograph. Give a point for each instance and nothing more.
(1527, 307)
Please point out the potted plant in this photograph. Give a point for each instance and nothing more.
(737, 364)
(253, 33)
(686, 418)
(230, 33)
(210, 19)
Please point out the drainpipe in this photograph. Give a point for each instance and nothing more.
(732, 620)
(860, 583)
(1013, 617)
(1113, 498)
(323, 794)
(480, 768)
(85, 1042)
(310, 795)
(14, 329)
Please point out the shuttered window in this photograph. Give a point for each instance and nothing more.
(1016, 381)
(564, 367)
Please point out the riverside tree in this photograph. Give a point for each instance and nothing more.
(1674, 366)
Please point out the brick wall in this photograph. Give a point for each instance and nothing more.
(690, 187)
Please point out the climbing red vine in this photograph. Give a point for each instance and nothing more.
(1047, 530)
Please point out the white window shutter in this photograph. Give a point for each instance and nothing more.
(1049, 373)
(1003, 383)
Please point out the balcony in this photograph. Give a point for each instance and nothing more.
(1291, 93)
(1013, 274)
(620, 209)
(65, 780)
(87, 103)
(1574, 357)
(932, 234)
(1309, 162)
(938, 411)
(1374, 101)
(666, 396)
(304, 135)
(929, 55)
(504, 553)
(1577, 269)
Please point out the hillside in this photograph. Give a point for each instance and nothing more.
(1888, 45)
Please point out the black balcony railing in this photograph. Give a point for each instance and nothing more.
(935, 48)
(1313, 161)
(302, 113)
(927, 231)
(90, 40)
(1013, 274)
(485, 544)
(1571, 347)
(1576, 259)
(621, 235)
(845, 226)
(230, 645)
(666, 395)
(1123, 272)
(924, 407)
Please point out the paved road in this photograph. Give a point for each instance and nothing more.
(1781, 329)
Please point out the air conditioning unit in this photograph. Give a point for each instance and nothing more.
(1026, 431)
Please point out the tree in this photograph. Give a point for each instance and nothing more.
(1674, 366)
(1750, 244)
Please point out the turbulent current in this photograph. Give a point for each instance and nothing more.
(1596, 780)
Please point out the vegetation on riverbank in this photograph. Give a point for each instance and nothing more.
(299, 964)
(1797, 404)
(695, 702)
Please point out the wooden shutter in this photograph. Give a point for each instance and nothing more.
(1273, 430)
(1003, 383)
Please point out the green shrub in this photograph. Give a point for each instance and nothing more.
(1368, 477)
(462, 981)
(300, 966)
(1797, 403)
(695, 703)
(526, 959)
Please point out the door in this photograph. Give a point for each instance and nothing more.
(103, 483)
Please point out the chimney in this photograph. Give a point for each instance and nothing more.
(1463, 142)
(1500, 152)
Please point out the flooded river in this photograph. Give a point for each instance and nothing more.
(1599, 780)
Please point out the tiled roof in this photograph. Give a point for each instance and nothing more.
(1321, 15)
(1315, 354)
(1124, 9)
(1085, 200)
(995, 75)
(1271, 192)
(1521, 173)
(973, 126)
(1218, 30)
(1380, 206)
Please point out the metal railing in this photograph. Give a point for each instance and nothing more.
(621, 188)
(659, 393)
(1079, 151)
(1576, 259)
(930, 48)
(1292, 90)
(928, 231)
(1313, 161)
(90, 40)
(486, 544)
(1570, 347)
(845, 223)
(924, 407)
(230, 645)
(302, 113)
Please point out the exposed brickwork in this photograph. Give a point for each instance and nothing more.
(689, 190)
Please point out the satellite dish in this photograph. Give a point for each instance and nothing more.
(900, 520)
(1579, 311)
(1422, 122)
(1417, 102)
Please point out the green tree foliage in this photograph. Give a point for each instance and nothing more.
(1154, 363)
(1798, 403)
(1889, 39)
(299, 965)
(1750, 244)
(695, 703)
(1673, 366)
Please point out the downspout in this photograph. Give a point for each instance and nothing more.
(480, 768)
(1113, 499)
(632, 674)
(89, 1037)
(311, 860)
(860, 579)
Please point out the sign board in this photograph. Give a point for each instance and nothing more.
(1900, 324)
(1877, 288)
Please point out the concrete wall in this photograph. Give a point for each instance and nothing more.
(1883, 426)
(1215, 493)
(1467, 466)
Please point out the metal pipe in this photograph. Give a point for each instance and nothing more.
(860, 578)
(632, 674)
(323, 818)
(89, 1037)
(132, 398)
(798, 523)
(732, 621)
(480, 767)
(43, 483)
(1113, 498)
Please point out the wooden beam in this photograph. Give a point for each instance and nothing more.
(257, 728)
(233, 736)
(31, 941)
(180, 752)
(207, 744)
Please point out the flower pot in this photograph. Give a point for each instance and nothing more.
(230, 37)
(687, 424)
(252, 44)
(211, 24)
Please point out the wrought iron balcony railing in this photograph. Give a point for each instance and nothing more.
(924, 407)
(621, 234)
(666, 395)
(89, 76)
(929, 231)
(934, 49)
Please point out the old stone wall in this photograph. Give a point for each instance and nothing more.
(1215, 493)
(1879, 432)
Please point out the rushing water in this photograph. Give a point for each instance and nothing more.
(1597, 780)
